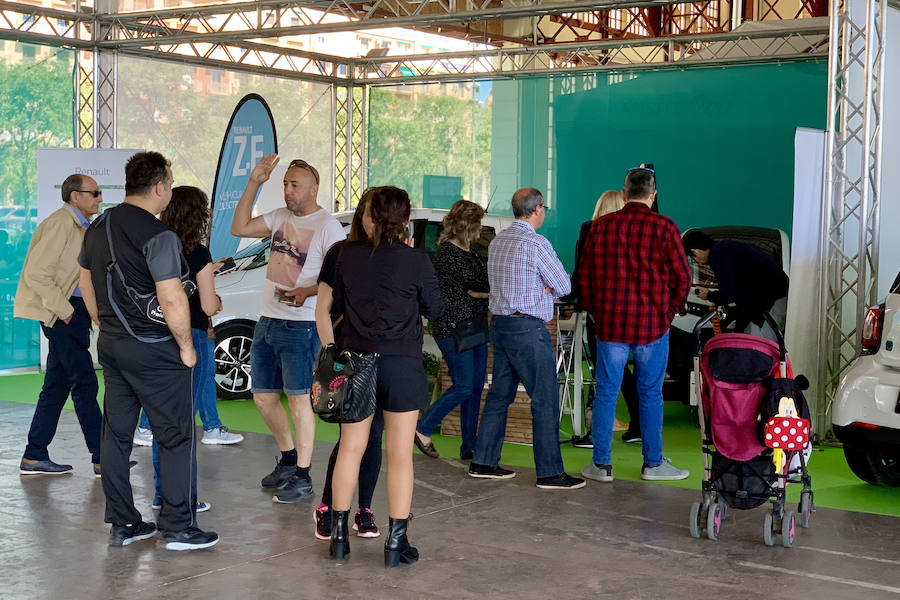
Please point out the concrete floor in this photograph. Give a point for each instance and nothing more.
(477, 539)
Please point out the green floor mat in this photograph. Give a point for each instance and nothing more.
(834, 484)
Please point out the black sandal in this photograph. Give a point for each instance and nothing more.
(426, 449)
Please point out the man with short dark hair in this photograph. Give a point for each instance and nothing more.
(134, 279)
(48, 292)
(285, 341)
(747, 277)
(633, 279)
(525, 276)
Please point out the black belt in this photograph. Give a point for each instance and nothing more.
(521, 314)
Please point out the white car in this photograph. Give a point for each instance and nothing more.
(240, 290)
(866, 411)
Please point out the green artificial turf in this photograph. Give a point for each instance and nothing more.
(834, 484)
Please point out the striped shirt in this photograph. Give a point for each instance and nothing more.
(633, 275)
(521, 264)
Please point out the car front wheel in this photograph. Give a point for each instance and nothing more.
(233, 342)
(874, 466)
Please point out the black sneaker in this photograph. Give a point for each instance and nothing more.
(279, 476)
(584, 441)
(296, 488)
(563, 481)
(631, 437)
(323, 522)
(192, 538)
(486, 472)
(122, 535)
(364, 523)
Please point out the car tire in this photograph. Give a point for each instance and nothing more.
(233, 342)
(873, 466)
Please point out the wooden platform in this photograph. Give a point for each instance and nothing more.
(518, 424)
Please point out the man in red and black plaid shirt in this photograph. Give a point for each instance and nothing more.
(634, 277)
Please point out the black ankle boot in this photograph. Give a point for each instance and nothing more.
(396, 548)
(340, 537)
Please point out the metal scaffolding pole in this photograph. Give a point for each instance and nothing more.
(849, 246)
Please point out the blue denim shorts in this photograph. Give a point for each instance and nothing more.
(283, 356)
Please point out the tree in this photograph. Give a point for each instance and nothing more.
(36, 110)
(420, 130)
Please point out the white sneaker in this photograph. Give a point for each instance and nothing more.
(665, 471)
(221, 436)
(143, 437)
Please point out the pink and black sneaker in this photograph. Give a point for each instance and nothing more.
(364, 524)
(323, 521)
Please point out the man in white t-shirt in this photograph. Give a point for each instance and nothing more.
(285, 342)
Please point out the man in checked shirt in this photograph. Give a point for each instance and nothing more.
(525, 276)
(634, 277)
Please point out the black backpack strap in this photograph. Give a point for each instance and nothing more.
(114, 266)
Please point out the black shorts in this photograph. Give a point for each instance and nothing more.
(402, 385)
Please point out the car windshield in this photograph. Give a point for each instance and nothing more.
(253, 249)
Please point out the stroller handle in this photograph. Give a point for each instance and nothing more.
(779, 335)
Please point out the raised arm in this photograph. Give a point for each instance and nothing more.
(244, 224)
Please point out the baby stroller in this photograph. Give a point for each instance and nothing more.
(754, 421)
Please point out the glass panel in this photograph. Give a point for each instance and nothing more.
(182, 111)
(35, 112)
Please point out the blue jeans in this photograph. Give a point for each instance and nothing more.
(523, 352)
(467, 371)
(204, 388)
(283, 356)
(649, 371)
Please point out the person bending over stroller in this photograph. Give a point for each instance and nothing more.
(747, 277)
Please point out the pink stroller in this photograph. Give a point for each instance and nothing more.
(753, 421)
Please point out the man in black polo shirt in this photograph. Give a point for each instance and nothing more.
(132, 279)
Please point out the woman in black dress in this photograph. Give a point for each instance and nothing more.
(463, 280)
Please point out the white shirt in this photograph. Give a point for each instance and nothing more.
(298, 246)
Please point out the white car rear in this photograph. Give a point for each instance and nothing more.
(866, 411)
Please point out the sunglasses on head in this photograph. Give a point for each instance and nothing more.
(302, 164)
(651, 171)
(94, 193)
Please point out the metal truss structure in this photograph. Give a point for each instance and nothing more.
(349, 104)
(853, 190)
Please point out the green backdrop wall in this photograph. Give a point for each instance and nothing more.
(721, 139)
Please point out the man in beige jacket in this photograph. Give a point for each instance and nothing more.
(48, 292)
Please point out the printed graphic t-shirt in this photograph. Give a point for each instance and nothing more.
(299, 245)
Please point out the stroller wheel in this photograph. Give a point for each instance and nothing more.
(696, 528)
(806, 508)
(714, 520)
(768, 533)
(787, 529)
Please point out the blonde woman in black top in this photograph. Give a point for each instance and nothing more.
(463, 281)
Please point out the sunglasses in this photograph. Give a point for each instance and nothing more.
(302, 164)
(641, 169)
(94, 193)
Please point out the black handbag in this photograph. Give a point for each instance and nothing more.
(470, 333)
(343, 387)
